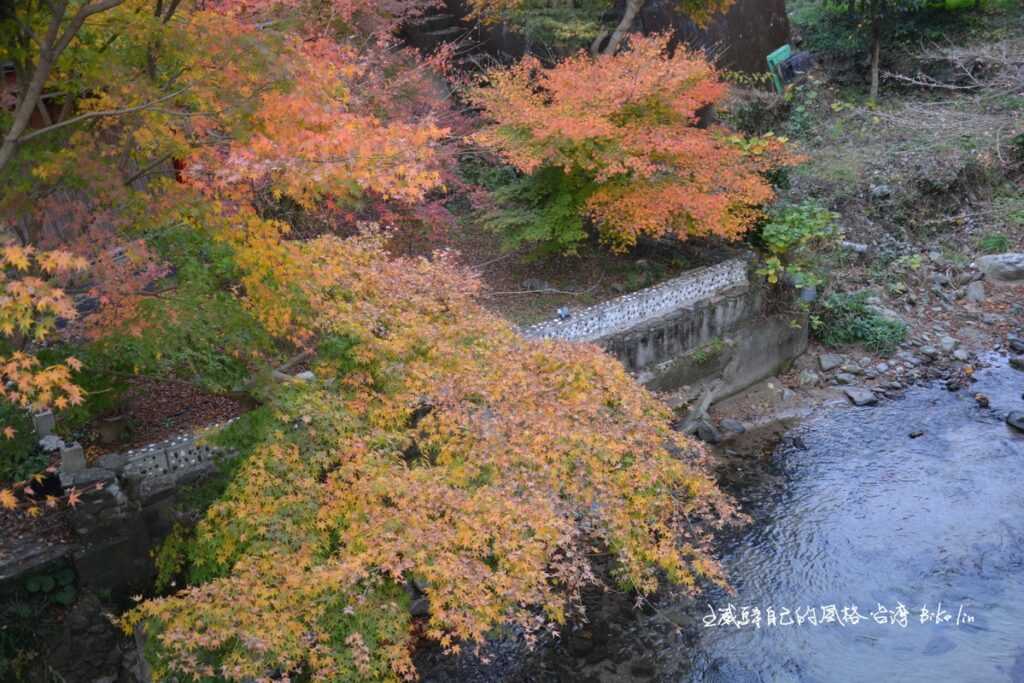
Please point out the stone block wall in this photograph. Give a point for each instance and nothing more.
(632, 310)
(703, 330)
(128, 505)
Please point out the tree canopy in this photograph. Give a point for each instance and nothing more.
(438, 446)
(155, 157)
(631, 141)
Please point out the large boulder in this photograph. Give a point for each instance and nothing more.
(1007, 267)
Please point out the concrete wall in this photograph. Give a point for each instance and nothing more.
(133, 509)
(703, 331)
(128, 504)
(627, 312)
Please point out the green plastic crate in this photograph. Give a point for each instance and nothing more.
(774, 59)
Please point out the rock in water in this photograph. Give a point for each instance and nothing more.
(808, 378)
(1003, 267)
(860, 396)
(1016, 420)
(1017, 363)
(707, 433)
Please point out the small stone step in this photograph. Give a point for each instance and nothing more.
(446, 34)
(435, 22)
(428, 41)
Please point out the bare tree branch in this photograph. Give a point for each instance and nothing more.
(100, 114)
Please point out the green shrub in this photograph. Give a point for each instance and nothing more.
(179, 556)
(203, 333)
(848, 319)
(994, 243)
(486, 173)
(543, 211)
(708, 352)
(794, 239)
(756, 112)
(20, 457)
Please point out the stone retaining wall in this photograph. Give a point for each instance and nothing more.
(703, 331)
(129, 502)
(632, 310)
(127, 505)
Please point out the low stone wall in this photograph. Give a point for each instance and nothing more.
(703, 331)
(632, 310)
(128, 503)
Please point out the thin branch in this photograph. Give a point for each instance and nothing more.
(588, 290)
(494, 260)
(927, 82)
(170, 10)
(76, 22)
(27, 30)
(149, 167)
(100, 114)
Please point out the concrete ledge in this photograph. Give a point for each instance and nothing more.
(637, 309)
(704, 332)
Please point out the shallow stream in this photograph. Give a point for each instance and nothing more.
(869, 516)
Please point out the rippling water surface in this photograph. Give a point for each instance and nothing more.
(870, 516)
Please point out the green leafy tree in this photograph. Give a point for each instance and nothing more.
(872, 17)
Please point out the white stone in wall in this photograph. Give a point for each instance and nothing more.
(176, 456)
(632, 310)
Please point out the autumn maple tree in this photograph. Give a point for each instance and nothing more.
(436, 452)
(437, 447)
(132, 125)
(626, 152)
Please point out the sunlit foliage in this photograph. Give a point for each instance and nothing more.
(634, 133)
(441, 448)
